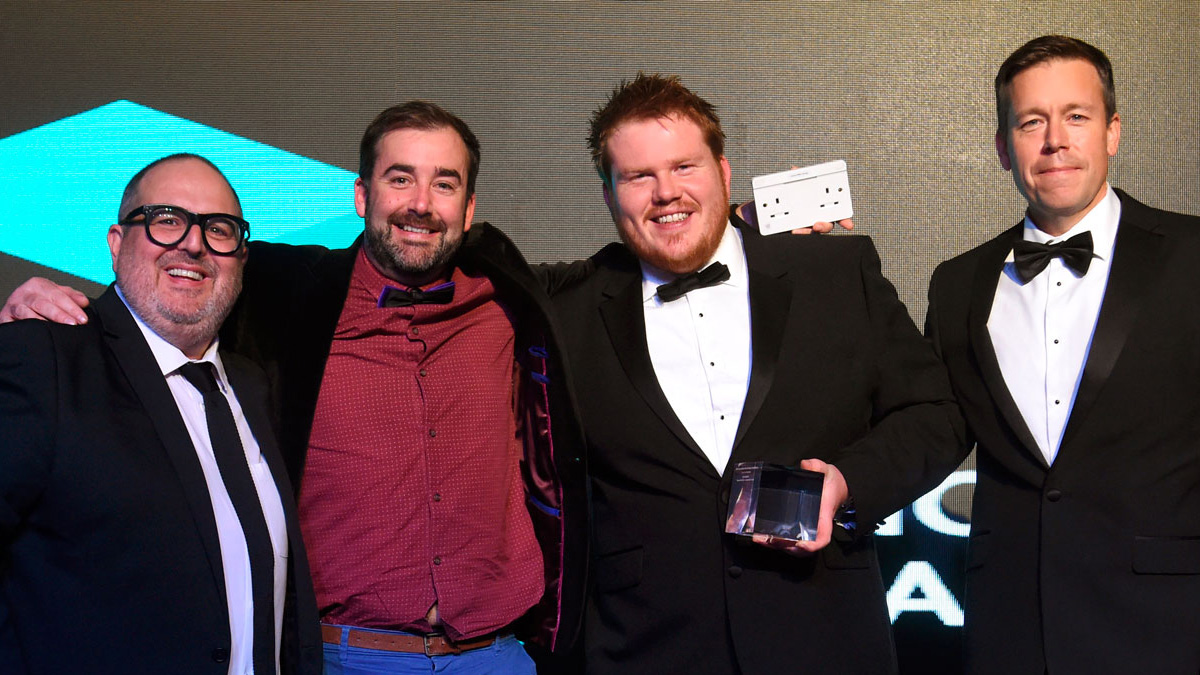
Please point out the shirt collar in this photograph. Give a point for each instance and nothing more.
(730, 252)
(1101, 221)
(168, 357)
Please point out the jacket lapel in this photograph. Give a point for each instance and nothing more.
(770, 303)
(983, 292)
(621, 311)
(1136, 260)
(133, 355)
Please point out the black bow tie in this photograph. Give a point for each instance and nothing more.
(1030, 258)
(709, 276)
(441, 294)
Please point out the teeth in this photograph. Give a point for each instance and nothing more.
(176, 272)
(412, 228)
(673, 218)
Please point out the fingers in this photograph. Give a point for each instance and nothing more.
(780, 544)
(823, 227)
(834, 493)
(748, 213)
(43, 299)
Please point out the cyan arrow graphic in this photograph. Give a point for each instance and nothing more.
(61, 183)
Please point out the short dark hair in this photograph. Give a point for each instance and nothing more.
(651, 97)
(1051, 48)
(129, 196)
(415, 115)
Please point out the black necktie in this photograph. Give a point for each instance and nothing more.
(1030, 258)
(231, 460)
(441, 294)
(709, 276)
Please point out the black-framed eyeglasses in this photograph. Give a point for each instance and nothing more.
(167, 225)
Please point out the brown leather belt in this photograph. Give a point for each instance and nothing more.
(430, 645)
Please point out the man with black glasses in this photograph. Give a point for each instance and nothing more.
(146, 520)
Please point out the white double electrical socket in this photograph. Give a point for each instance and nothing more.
(797, 198)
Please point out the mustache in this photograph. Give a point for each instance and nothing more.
(428, 221)
(205, 262)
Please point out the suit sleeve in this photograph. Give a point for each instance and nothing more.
(555, 277)
(28, 374)
(917, 436)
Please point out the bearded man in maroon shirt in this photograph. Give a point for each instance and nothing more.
(414, 375)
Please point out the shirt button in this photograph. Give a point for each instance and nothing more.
(437, 560)
(415, 330)
(437, 497)
(1058, 284)
(735, 571)
(432, 433)
(1055, 342)
(220, 655)
(1055, 401)
(1053, 495)
(701, 315)
(422, 372)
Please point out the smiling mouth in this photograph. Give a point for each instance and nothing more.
(415, 229)
(671, 218)
(185, 274)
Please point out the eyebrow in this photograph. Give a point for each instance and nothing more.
(408, 168)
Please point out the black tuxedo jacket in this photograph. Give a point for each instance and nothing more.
(109, 556)
(1091, 565)
(840, 373)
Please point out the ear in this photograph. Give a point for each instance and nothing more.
(727, 174)
(469, 216)
(116, 234)
(1114, 135)
(360, 197)
(1002, 150)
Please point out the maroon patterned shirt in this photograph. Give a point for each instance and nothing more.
(412, 493)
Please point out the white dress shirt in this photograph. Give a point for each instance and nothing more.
(1042, 330)
(700, 348)
(235, 559)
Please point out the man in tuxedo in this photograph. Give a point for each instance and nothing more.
(1073, 345)
(794, 351)
(146, 518)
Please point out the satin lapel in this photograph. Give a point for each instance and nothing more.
(1136, 260)
(626, 326)
(137, 362)
(983, 292)
(770, 303)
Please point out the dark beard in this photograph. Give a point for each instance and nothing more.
(406, 266)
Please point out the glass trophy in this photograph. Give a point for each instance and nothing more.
(773, 499)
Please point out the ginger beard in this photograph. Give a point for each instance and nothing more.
(679, 252)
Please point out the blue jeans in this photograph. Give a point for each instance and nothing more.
(505, 656)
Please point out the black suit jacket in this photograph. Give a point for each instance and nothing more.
(1091, 565)
(840, 373)
(109, 556)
